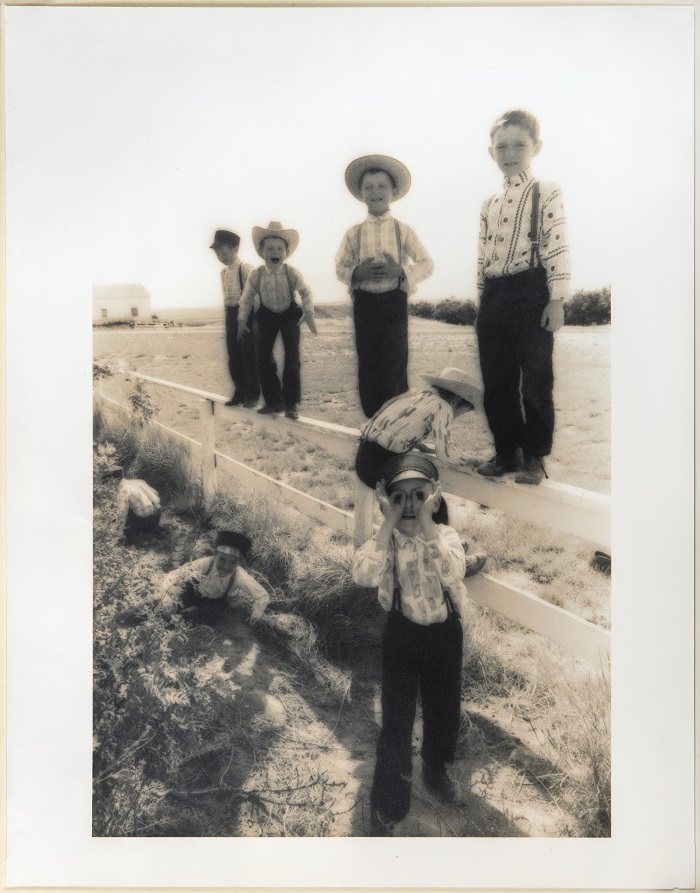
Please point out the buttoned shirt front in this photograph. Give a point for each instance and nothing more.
(231, 281)
(505, 240)
(375, 237)
(273, 289)
(424, 570)
(405, 420)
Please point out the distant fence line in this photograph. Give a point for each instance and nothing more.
(559, 506)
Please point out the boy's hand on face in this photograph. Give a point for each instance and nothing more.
(392, 507)
(553, 316)
(368, 269)
(308, 318)
(430, 503)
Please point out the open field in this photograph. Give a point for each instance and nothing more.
(531, 710)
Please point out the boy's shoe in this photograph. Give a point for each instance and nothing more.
(291, 412)
(269, 410)
(379, 826)
(531, 471)
(249, 404)
(439, 783)
(236, 400)
(498, 466)
(475, 563)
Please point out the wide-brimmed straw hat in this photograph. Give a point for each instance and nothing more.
(275, 228)
(397, 171)
(407, 466)
(457, 382)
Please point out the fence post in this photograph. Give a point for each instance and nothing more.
(364, 511)
(208, 451)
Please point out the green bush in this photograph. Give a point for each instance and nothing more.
(588, 308)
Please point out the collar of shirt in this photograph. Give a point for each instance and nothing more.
(402, 539)
(518, 179)
(385, 216)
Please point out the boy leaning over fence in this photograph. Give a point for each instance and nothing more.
(523, 280)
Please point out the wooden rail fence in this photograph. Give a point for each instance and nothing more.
(558, 506)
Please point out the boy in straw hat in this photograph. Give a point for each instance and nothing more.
(275, 283)
(381, 261)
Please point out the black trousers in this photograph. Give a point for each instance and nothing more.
(242, 360)
(270, 325)
(369, 460)
(381, 340)
(416, 658)
(515, 354)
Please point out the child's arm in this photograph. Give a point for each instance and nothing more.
(483, 226)
(254, 592)
(345, 260)
(373, 559)
(244, 308)
(554, 253)
(445, 449)
(422, 266)
(447, 553)
(307, 301)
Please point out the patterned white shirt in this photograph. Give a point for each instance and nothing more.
(273, 290)
(373, 238)
(244, 591)
(405, 420)
(504, 234)
(231, 281)
(424, 570)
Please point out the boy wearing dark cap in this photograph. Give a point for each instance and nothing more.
(381, 260)
(417, 563)
(242, 361)
(203, 589)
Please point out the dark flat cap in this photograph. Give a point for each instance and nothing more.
(224, 237)
(236, 540)
(409, 465)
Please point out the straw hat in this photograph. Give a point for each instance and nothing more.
(397, 171)
(274, 228)
(457, 382)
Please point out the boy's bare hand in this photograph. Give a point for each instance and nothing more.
(308, 318)
(392, 270)
(242, 330)
(430, 503)
(553, 316)
(392, 507)
(368, 269)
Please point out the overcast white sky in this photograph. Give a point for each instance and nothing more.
(201, 119)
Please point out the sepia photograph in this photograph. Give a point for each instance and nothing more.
(351, 425)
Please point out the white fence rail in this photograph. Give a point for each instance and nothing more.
(558, 506)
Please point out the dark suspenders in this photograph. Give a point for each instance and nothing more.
(534, 224)
(397, 230)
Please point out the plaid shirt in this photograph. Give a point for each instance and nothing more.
(376, 236)
(273, 289)
(231, 282)
(405, 420)
(423, 569)
(504, 234)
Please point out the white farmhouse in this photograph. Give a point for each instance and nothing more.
(112, 303)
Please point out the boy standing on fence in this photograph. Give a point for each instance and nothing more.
(275, 283)
(523, 280)
(417, 563)
(242, 362)
(381, 261)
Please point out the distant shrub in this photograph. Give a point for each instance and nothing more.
(458, 313)
(588, 308)
(424, 309)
